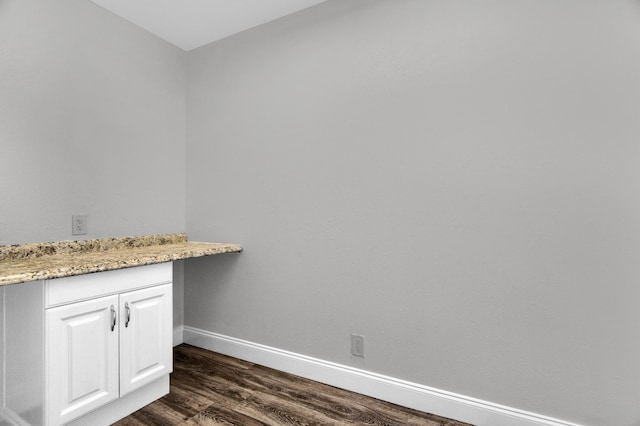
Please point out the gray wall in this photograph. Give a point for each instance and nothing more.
(457, 181)
(92, 121)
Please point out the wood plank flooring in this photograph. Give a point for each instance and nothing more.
(211, 389)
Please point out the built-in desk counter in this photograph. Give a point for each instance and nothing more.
(41, 261)
(86, 328)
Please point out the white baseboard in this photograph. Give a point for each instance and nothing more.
(178, 335)
(401, 392)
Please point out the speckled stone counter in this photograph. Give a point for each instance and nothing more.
(41, 261)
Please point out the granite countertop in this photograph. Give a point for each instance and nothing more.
(41, 261)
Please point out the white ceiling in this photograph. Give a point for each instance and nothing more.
(189, 24)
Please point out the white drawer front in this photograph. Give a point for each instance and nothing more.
(65, 290)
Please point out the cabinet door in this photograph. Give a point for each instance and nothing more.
(81, 358)
(146, 333)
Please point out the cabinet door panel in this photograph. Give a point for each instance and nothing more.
(81, 358)
(146, 338)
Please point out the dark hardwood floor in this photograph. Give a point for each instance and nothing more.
(208, 388)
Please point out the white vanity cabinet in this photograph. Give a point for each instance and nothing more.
(86, 327)
(103, 342)
(107, 335)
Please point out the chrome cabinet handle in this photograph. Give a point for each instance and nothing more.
(128, 314)
(113, 318)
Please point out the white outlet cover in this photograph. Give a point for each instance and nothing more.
(79, 225)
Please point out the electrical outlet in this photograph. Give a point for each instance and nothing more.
(79, 225)
(357, 345)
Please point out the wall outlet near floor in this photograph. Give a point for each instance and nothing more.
(357, 345)
(79, 225)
